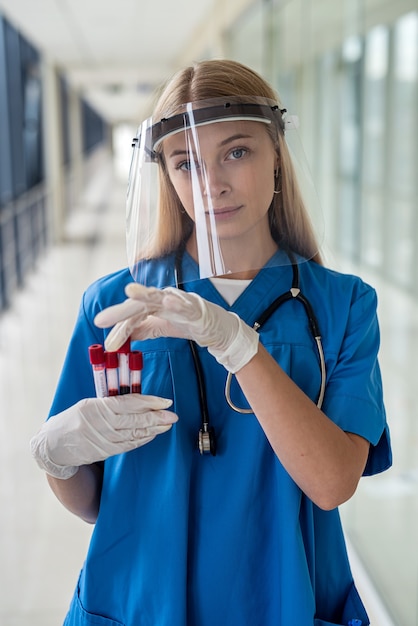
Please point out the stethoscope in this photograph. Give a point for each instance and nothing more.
(206, 436)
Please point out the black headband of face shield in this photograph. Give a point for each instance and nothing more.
(182, 121)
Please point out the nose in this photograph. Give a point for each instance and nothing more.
(214, 181)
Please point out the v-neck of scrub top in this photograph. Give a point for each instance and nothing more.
(230, 288)
(268, 284)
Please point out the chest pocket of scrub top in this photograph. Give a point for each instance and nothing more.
(168, 372)
(157, 379)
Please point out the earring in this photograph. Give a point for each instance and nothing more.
(278, 178)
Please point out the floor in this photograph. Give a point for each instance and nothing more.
(42, 546)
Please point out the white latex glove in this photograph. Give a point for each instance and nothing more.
(149, 313)
(96, 428)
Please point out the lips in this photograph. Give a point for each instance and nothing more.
(219, 212)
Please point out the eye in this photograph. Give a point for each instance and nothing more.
(187, 166)
(184, 166)
(237, 153)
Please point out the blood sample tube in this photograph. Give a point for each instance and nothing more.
(135, 366)
(97, 360)
(112, 366)
(124, 376)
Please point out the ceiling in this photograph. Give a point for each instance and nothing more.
(117, 52)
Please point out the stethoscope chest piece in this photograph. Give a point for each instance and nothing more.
(207, 440)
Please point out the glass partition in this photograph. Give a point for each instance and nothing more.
(375, 144)
(351, 71)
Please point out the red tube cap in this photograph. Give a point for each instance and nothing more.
(111, 360)
(126, 347)
(135, 360)
(96, 354)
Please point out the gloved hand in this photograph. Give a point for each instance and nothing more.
(149, 313)
(96, 428)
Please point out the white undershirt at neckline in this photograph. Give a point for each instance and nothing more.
(230, 288)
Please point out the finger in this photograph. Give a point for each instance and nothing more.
(151, 431)
(119, 312)
(131, 434)
(139, 436)
(122, 331)
(169, 303)
(154, 327)
(140, 293)
(119, 334)
(135, 403)
(144, 420)
(176, 308)
(142, 441)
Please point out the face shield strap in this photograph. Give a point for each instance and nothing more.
(247, 111)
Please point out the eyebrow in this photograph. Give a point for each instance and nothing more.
(223, 143)
(233, 138)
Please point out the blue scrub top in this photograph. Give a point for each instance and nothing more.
(188, 540)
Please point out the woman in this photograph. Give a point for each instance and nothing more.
(231, 519)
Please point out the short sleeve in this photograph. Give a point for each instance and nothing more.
(354, 395)
(76, 378)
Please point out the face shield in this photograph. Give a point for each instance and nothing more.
(216, 180)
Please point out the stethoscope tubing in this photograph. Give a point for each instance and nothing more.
(207, 441)
(295, 294)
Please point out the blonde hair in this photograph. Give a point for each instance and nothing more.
(289, 221)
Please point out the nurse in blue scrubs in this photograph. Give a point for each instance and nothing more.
(215, 492)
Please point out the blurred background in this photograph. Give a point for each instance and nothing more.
(76, 78)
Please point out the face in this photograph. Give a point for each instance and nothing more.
(225, 178)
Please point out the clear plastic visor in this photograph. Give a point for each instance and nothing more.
(226, 182)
